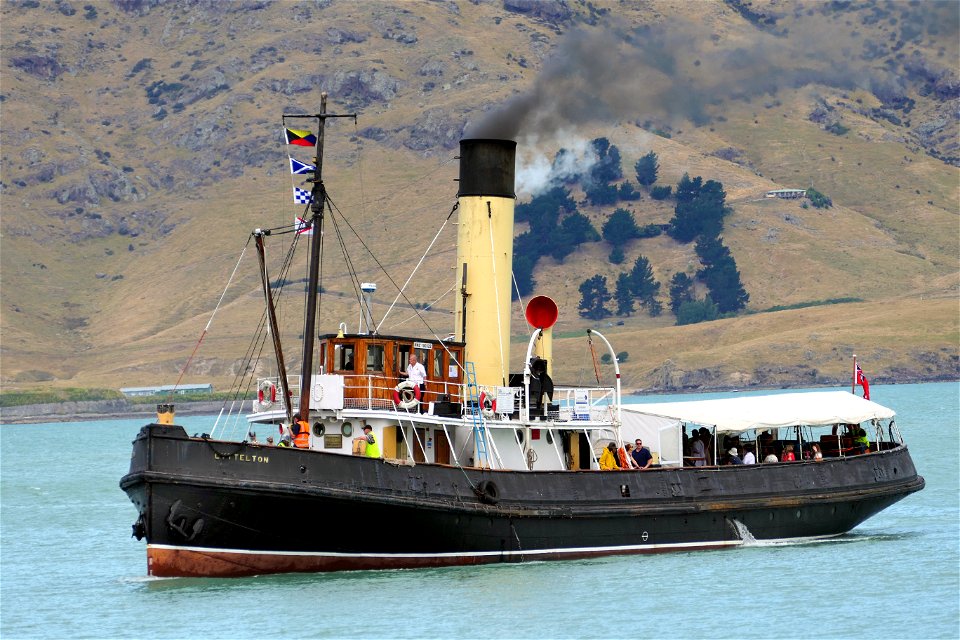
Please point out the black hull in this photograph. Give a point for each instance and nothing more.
(229, 509)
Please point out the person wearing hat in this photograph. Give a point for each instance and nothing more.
(372, 449)
(608, 459)
(734, 457)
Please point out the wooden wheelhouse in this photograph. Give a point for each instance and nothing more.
(372, 364)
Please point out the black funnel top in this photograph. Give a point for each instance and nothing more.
(487, 168)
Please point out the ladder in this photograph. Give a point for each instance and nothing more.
(476, 416)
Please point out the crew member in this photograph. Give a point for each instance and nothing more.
(372, 449)
(301, 432)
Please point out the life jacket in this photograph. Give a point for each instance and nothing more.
(302, 439)
(862, 440)
(373, 449)
(622, 457)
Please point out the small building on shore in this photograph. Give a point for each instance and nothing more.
(180, 390)
(787, 194)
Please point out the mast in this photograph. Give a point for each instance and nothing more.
(258, 235)
(317, 203)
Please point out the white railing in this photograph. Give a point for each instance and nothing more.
(375, 392)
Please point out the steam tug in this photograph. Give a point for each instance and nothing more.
(484, 464)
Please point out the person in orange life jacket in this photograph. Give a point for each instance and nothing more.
(301, 432)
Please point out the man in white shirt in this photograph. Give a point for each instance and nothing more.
(417, 374)
(748, 457)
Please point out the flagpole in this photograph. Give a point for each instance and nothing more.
(317, 203)
(853, 385)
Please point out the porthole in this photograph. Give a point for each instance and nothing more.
(319, 429)
(346, 429)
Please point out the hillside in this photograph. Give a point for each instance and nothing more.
(141, 144)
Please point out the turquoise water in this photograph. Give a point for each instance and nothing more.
(69, 568)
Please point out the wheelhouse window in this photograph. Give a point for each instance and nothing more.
(343, 357)
(438, 364)
(402, 357)
(423, 356)
(375, 357)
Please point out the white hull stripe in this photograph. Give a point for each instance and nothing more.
(486, 554)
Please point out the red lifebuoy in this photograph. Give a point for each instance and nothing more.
(488, 404)
(406, 395)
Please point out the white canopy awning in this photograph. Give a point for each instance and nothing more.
(818, 408)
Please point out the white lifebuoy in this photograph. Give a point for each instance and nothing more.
(406, 395)
(267, 394)
(488, 405)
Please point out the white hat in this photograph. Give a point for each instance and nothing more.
(733, 451)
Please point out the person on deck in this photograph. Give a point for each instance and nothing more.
(642, 455)
(698, 451)
(608, 459)
(301, 432)
(788, 454)
(624, 458)
(416, 374)
(372, 449)
(748, 457)
(860, 441)
(815, 450)
(771, 457)
(734, 457)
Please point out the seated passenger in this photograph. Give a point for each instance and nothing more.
(788, 454)
(748, 457)
(770, 458)
(815, 450)
(608, 459)
(733, 457)
(860, 441)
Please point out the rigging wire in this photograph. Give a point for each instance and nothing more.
(210, 321)
(392, 281)
(422, 258)
(426, 308)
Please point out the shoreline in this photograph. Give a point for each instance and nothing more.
(92, 410)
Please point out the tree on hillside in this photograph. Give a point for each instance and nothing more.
(607, 169)
(623, 295)
(644, 286)
(594, 297)
(620, 228)
(628, 193)
(661, 193)
(647, 168)
(700, 215)
(694, 311)
(579, 229)
(600, 193)
(681, 290)
(525, 254)
(687, 188)
(550, 203)
(720, 274)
